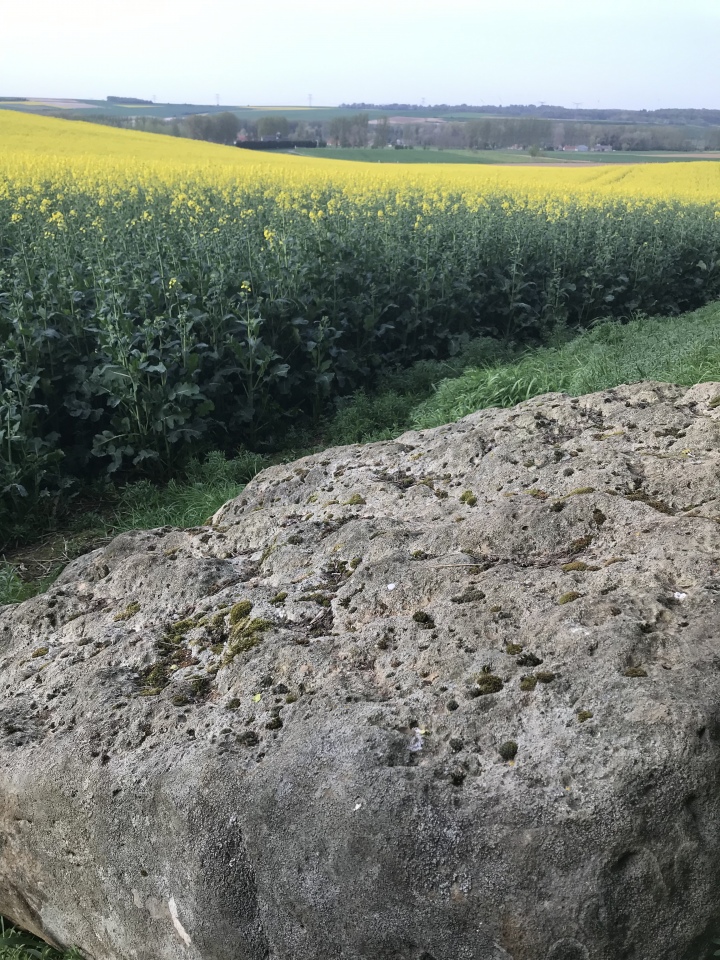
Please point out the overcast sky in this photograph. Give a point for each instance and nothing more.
(615, 53)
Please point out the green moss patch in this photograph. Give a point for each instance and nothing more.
(130, 610)
(569, 597)
(244, 636)
(488, 683)
(240, 610)
(635, 672)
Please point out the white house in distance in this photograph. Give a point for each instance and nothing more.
(582, 148)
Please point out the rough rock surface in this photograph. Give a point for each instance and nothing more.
(454, 696)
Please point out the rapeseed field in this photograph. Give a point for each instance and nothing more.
(162, 297)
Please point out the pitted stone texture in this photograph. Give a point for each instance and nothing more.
(321, 776)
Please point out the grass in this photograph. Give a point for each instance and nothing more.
(436, 155)
(683, 350)
(17, 945)
(188, 501)
(416, 155)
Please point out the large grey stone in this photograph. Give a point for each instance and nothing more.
(331, 775)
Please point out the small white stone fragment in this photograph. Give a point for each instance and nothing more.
(679, 595)
(182, 932)
(416, 744)
(391, 586)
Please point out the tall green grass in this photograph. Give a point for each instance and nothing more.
(17, 945)
(683, 350)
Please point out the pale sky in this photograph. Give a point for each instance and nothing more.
(600, 53)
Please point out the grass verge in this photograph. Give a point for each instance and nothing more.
(683, 350)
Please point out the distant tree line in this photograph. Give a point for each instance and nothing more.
(488, 133)
(128, 100)
(689, 115)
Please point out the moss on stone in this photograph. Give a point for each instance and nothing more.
(508, 750)
(239, 611)
(569, 597)
(40, 652)
(488, 683)
(279, 598)
(244, 636)
(584, 715)
(512, 649)
(469, 498)
(528, 683)
(175, 632)
(130, 610)
(659, 505)
(545, 676)
(635, 672)
(582, 543)
(469, 595)
(322, 599)
(154, 679)
(356, 500)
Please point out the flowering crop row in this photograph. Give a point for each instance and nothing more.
(161, 296)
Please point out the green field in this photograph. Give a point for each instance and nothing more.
(435, 155)
(417, 155)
